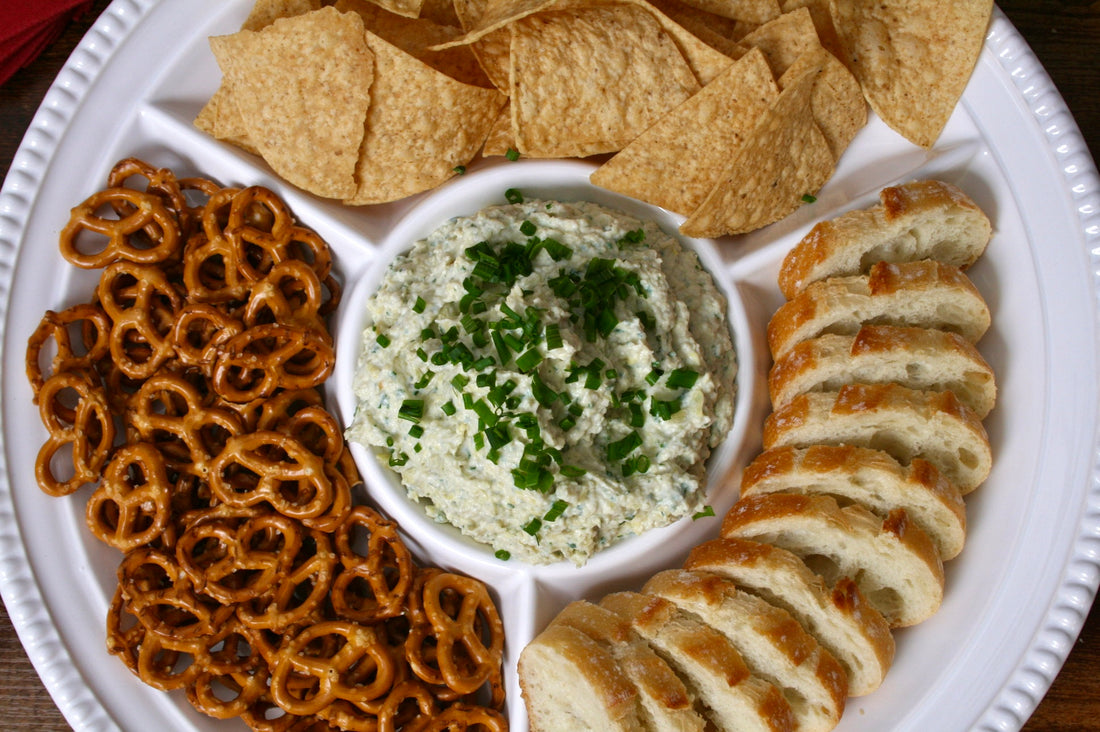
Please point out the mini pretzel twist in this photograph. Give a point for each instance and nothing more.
(143, 304)
(290, 294)
(147, 233)
(168, 411)
(466, 718)
(133, 504)
(454, 620)
(226, 661)
(163, 599)
(55, 327)
(340, 659)
(162, 668)
(74, 410)
(200, 330)
(161, 182)
(374, 580)
(271, 467)
(238, 556)
(265, 358)
(299, 595)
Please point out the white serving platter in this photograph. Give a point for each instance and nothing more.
(1016, 597)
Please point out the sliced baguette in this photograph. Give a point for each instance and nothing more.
(840, 619)
(906, 423)
(870, 478)
(925, 219)
(917, 358)
(724, 689)
(665, 702)
(773, 644)
(922, 294)
(569, 681)
(894, 563)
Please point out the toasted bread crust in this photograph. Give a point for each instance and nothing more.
(926, 219)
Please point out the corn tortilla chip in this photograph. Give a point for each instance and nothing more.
(751, 11)
(301, 85)
(837, 100)
(416, 36)
(823, 21)
(266, 12)
(407, 8)
(784, 39)
(589, 81)
(784, 158)
(500, 140)
(913, 59)
(421, 125)
(679, 160)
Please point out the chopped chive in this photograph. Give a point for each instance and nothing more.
(619, 449)
(557, 508)
(416, 431)
(527, 228)
(512, 154)
(553, 336)
(383, 340)
(512, 195)
(532, 527)
(411, 409)
(419, 305)
(682, 378)
(459, 381)
(529, 360)
(399, 460)
(424, 380)
(808, 198)
(707, 511)
(502, 554)
(654, 376)
(572, 471)
(459, 169)
(449, 408)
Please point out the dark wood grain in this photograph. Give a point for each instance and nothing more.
(1066, 38)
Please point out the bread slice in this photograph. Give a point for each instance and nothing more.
(773, 644)
(906, 423)
(894, 563)
(870, 478)
(925, 219)
(918, 358)
(569, 681)
(723, 688)
(665, 702)
(924, 294)
(840, 618)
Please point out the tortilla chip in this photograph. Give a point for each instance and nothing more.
(784, 158)
(301, 86)
(706, 62)
(785, 39)
(421, 125)
(407, 8)
(220, 119)
(913, 59)
(440, 12)
(751, 11)
(500, 140)
(823, 21)
(416, 36)
(266, 12)
(678, 161)
(839, 108)
(589, 81)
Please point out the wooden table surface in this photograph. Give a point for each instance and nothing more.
(1066, 38)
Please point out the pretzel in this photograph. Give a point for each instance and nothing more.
(199, 331)
(143, 654)
(374, 584)
(341, 660)
(55, 326)
(226, 661)
(161, 182)
(148, 234)
(456, 637)
(271, 467)
(168, 411)
(263, 359)
(163, 599)
(466, 718)
(238, 556)
(132, 505)
(291, 294)
(142, 303)
(299, 595)
(86, 427)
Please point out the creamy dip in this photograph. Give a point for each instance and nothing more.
(547, 377)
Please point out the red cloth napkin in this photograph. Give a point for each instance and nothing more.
(28, 26)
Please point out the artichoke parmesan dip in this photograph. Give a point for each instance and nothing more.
(547, 377)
